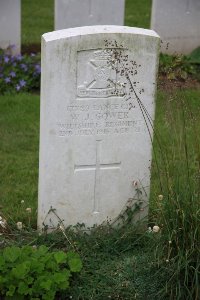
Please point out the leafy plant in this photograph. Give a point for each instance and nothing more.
(180, 66)
(194, 57)
(36, 273)
(19, 72)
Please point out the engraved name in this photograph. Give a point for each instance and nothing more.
(117, 127)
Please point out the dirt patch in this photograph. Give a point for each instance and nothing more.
(31, 48)
(170, 85)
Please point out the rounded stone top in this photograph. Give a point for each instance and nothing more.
(97, 29)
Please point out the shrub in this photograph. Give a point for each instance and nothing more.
(29, 273)
(19, 72)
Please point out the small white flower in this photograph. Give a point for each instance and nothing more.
(3, 223)
(22, 201)
(28, 209)
(160, 197)
(156, 228)
(167, 260)
(62, 227)
(149, 229)
(34, 247)
(170, 242)
(19, 225)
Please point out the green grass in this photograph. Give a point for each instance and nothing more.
(117, 263)
(19, 135)
(176, 140)
(138, 13)
(38, 17)
(176, 175)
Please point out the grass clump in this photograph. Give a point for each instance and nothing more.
(178, 211)
(178, 250)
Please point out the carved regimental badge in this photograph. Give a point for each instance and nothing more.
(99, 70)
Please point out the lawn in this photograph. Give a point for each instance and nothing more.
(117, 263)
(19, 134)
(36, 20)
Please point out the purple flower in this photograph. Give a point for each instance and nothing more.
(14, 64)
(12, 58)
(18, 87)
(24, 67)
(12, 74)
(1, 75)
(38, 69)
(19, 57)
(6, 59)
(7, 79)
(22, 83)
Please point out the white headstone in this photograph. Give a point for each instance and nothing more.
(75, 13)
(178, 24)
(97, 95)
(10, 25)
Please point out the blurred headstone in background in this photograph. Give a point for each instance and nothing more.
(76, 13)
(10, 25)
(178, 24)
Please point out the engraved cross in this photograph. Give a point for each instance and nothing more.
(97, 167)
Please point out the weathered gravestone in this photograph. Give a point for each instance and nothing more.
(74, 13)
(97, 110)
(178, 24)
(10, 25)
